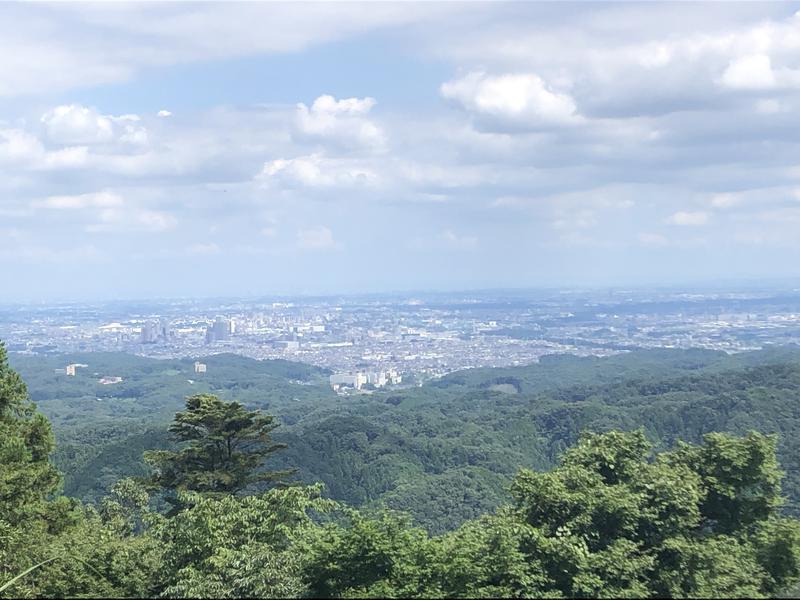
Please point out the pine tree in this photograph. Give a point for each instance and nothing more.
(223, 449)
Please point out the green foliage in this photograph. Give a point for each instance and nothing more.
(368, 557)
(237, 547)
(27, 479)
(49, 545)
(102, 430)
(611, 520)
(223, 446)
(620, 515)
(450, 498)
(694, 522)
(26, 440)
(740, 477)
(444, 452)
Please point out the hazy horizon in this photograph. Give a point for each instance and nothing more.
(729, 286)
(162, 150)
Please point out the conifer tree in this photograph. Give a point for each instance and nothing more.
(223, 448)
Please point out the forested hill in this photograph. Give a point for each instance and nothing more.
(444, 452)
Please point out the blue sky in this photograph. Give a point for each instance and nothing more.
(179, 149)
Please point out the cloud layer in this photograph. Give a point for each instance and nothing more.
(524, 144)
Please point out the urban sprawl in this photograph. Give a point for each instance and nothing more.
(377, 341)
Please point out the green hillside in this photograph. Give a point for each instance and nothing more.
(444, 452)
(611, 515)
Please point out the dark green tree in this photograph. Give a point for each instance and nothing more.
(239, 546)
(223, 448)
(28, 516)
(612, 520)
(26, 441)
(50, 546)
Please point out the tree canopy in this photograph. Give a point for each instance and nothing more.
(615, 518)
(223, 447)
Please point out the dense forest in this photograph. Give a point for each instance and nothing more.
(443, 453)
(213, 516)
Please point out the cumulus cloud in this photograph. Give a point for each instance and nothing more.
(511, 100)
(17, 145)
(107, 211)
(22, 149)
(753, 72)
(689, 218)
(316, 171)
(315, 238)
(74, 124)
(339, 122)
(670, 108)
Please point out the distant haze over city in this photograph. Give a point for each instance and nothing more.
(392, 339)
(246, 149)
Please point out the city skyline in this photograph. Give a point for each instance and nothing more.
(162, 150)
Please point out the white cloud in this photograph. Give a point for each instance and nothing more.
(17, 145)
(752, 72)
(316, 171)
(107, 211)
(66, 158)
(658, 130)
(117, 219)
(725, 200)
(518, 100)
(315, 238)
(74, 124)
(164, 113)
(49, 48)
(22, 149)
(341, 122)
(328, 105)
(690, 219)
(81, 201)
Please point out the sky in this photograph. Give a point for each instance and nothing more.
(220, 149)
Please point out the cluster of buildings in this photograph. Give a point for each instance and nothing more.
(359, 338)
(377, 379)
(220, 331)
(153, 332)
